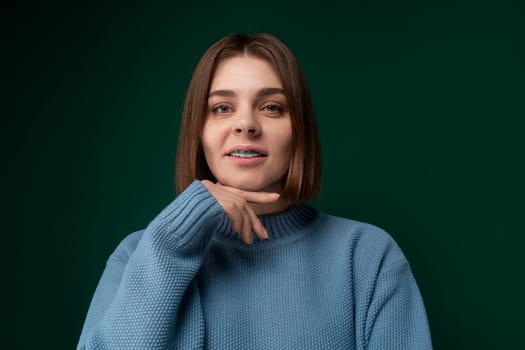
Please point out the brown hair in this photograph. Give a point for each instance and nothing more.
(303, 179)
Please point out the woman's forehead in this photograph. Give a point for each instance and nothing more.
(244, 73)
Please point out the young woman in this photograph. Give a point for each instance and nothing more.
(237, 260)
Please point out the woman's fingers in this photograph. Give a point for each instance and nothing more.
(254, 197)
(257, 226)
(246, 231)
(236, 216)
(234, 202)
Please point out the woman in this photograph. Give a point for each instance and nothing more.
(237, 260)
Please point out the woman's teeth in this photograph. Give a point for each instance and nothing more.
(245, 154)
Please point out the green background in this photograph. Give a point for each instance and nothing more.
(421, 114)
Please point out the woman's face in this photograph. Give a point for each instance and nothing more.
(247, 136)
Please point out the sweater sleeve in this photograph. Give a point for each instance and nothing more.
(396, 317)
(137, 302)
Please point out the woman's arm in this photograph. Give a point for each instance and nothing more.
(396, 317)
(138, 300)
(137, 303)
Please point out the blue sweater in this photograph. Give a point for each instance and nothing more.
(319, 282)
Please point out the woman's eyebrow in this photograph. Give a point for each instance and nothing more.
(270, 91)
(223, 93)
(260, 93)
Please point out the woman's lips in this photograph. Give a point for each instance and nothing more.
(246, 149)
(247, 161)
(246, 155)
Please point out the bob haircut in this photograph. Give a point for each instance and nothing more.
(303, 179)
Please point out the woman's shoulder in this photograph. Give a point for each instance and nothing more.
(364, 241)
(353, 229)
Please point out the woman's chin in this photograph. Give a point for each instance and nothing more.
(247, 187)
(254, 186)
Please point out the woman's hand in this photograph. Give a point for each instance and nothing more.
(235, 204)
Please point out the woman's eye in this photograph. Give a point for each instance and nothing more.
(273, 108)
(221, 109)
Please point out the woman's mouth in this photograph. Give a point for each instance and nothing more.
(246, 154)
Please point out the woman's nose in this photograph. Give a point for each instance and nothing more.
(247, 124)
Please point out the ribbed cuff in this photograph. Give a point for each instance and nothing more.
(187, 223)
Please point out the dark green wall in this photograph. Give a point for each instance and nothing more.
(421, 114)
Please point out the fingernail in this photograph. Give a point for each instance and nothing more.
(274, 195)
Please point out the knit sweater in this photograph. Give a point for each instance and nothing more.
(319, 282)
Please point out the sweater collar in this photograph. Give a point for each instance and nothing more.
(288, 225)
